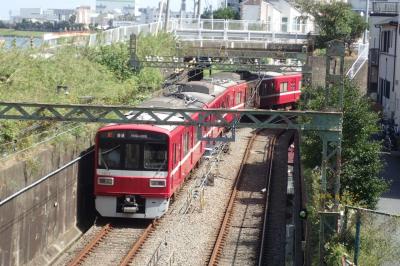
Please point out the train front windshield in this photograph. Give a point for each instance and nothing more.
(132, 150)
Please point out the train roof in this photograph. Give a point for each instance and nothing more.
(227, 76)
(271, 74)
(213, 88)
(193, 94)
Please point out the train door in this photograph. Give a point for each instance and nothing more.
(176, 161)
(293, 90)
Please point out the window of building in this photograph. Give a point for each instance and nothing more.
(283, 86)
(284, 26)
(269, 23)
(385, 41)
(387, 89)
(297, 23)
(384, 87)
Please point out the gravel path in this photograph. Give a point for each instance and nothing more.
(187, 239)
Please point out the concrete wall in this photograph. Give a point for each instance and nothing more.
(318, 72)
(37, 225)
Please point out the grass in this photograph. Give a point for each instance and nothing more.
(18, 33)
(98, 77)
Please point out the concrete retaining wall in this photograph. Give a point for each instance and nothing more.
(39, 223)
(318, 72)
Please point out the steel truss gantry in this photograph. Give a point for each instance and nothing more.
(329, 122)
(222, 59)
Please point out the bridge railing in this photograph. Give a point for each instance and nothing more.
(241, 25)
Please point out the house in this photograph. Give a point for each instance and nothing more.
(279, 15)
(384, 62)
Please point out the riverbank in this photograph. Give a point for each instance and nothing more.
(18, 33)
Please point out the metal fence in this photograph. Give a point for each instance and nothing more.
(107, 37)
(370, 237)
(193, 29)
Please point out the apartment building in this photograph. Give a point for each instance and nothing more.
(384, 62)
(280, 15)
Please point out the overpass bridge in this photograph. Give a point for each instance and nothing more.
(208, 33)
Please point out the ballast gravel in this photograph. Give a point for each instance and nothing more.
(187, 239)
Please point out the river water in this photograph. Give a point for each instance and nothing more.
(21, 42)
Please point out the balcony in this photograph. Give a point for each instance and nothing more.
(389, 8)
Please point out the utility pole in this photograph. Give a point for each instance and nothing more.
(183, 8)
(166, 17)
(198, 8)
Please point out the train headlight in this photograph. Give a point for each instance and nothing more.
(157, 183)
(105, 181)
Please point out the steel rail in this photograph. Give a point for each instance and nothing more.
(267, 192)
(267, 196)
(136, 246)
(90, 246)
(219, 243)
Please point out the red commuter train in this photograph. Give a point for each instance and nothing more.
(279, 90)
(139, 167)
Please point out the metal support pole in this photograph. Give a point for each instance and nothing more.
(166, 17)
(357, 240)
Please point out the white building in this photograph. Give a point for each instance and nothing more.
(83, 15)
(384, 62)
(30, 13)
(116, 6)
(255, 10)
(280, 15)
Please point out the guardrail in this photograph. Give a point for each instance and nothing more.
(193, 29)
(363, 50)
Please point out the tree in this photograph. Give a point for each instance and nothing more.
(72, 19)
(207, 14)
(2, 25)
(335, 20)
(226, 13)
(361, 162)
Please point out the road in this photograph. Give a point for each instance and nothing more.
(390, 200)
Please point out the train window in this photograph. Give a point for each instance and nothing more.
(187, 142)
(293, 85)
(263, 89)
(238, 97)
(175, 155)
(283, 86)
(155, 156)
(109, 155)
(271, 87)
(132, 156)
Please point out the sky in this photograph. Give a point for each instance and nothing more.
(15, 5)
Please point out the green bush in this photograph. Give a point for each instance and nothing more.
(100, 75)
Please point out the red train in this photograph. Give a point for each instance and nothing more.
(139, 167)
(279, 90)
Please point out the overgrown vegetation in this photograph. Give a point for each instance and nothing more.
(335, 20)
(221, 13)
(361, 162)
(100, 75)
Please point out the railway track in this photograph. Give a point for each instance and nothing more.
(115, 244)
(259, 153)
(277, 212)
